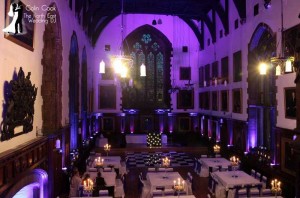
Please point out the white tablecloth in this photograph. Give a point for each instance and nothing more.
(109, 177)
(228, 180)
(110, 160)
(157, 179)
(215, 162)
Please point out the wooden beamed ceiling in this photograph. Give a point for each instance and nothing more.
(94, 15)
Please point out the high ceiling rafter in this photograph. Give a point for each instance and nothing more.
(96, 14)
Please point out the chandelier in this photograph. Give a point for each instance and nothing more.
(283, 64)
(122, 63)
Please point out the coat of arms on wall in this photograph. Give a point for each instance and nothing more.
(18, 117)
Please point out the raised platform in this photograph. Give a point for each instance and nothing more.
(142, 139)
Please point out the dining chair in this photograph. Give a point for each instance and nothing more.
(145, 187)
(214, 169)
(253, 173)
(195, 164)
(168, 192)
(151, 169)
(107, 169)
(103, 193)
(210, 182)
(203, 156)
(264, 180)
(161, 169)
(98, 154)
(119, 188)
(267, 192)
(158, 191)
(188, 187)
(220, 191)
(123, 169)
(169, 169)
(256, 190)
(199, 166)
(204, 171)
(218, 155)
(223, 169)
(258, 175)
(92, 169)
(240, 191)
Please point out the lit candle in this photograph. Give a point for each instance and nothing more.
(174, 183)
(183, 184)
(84, 183)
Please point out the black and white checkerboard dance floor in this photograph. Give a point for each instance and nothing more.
(145, 159)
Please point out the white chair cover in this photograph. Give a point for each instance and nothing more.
(188, 187)
(119, 189)
(151, 169)
(103, 193)
(220, 191)
(146, 192)
(204, 171)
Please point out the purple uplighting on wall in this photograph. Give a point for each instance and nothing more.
(122, 122)
(252, 134)
(218, 135)
(131, 124)
(202, 125)
(161, 124)
(209, 129)
(170, 119)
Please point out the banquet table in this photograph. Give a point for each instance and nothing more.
(230, 179)
(215, 162)
(162, 179)
(110, 160)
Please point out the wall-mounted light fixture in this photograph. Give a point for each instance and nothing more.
(282, 64)
(267, 4)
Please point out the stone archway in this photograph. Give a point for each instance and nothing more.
(51, 89)
(261, 89)
(38, 177)
(84, 94)
(74, 89)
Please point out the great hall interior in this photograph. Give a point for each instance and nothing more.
(140, 98)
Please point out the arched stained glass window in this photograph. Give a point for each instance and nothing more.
(149, 46)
